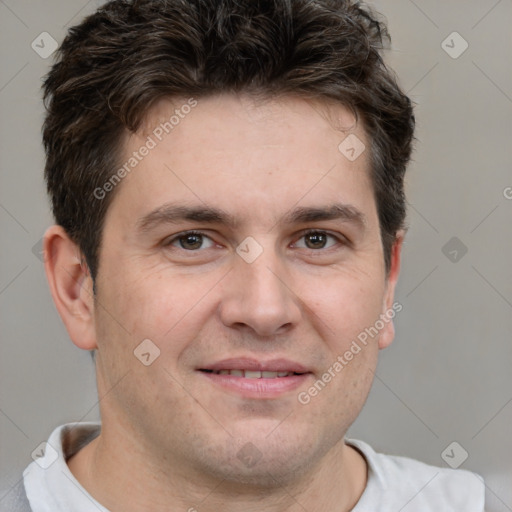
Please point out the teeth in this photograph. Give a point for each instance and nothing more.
(252, 374)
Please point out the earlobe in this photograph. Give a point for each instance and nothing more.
(387, 334)
(71, 286)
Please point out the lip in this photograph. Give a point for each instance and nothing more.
(262, 388)
(247, 363)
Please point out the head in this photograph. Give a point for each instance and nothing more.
(229, 119)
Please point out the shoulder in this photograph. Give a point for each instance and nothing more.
(406, 484)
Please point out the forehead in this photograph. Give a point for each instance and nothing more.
(247, 156)
(266, 121)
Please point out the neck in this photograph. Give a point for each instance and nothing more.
(122, 476)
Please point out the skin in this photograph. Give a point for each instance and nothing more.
(170, 437)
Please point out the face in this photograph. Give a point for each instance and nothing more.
(246, 247)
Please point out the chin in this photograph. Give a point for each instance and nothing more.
(259, 460)
(270, 472)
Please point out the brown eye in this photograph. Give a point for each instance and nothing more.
(190, 241)
(316, 240)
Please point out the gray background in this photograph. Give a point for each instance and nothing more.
(447, 375)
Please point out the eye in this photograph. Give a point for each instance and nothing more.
(315, 239)
(189, 241)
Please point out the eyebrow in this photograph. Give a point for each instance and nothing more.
(175, 213)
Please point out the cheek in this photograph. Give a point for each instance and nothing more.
(150, 303)
(344, 305)
(133, 310)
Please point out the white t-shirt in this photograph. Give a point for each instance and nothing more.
(394, 483)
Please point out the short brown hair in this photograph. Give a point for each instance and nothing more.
(112, 67)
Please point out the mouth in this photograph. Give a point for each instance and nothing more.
(251, 378)
(252, 374)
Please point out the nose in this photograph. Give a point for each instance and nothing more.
(259, 297)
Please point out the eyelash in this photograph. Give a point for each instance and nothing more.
(339, 239)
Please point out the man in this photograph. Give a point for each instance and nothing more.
(227, 183)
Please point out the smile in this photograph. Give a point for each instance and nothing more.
(251, 378)
(252, 374)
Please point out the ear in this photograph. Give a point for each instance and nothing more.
(387, 334)
(71, 286)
